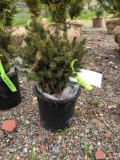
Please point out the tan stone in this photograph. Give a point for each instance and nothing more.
(111, 24)
(44, 22)
(18, 35)
(74, 31)
(116, 35)
(74, 22)
(74, 28)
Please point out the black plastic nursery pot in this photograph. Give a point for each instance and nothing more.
(55, 114)
(9, 99)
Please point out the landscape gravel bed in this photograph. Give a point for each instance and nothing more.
(96, 122)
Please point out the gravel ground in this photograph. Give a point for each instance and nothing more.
(96, 122)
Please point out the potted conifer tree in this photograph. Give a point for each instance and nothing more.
(10, 95)
(48, 56)
(98, 21)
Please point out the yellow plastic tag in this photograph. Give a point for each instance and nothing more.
(83, 83)
(6, 79)
(79, 79)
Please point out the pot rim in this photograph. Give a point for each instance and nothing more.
(16, 71)
(39, 95)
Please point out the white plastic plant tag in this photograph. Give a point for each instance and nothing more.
(90, 77)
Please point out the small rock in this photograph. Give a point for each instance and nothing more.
(40, 134)
(38, 123)
(64, 145)
(82, 146)
(82, 134)
(75, 140)
(21, 154)
(24, 150)
(56, 149)
(88, 47)
(1, 158)
(112, 56)
(98, 58)
(34, 98)
(99, 155)
(24, 131)
(91, 147)
(77, 107)
(88, 67)
(86, 130)
(9, 125)
(108, 134)
(86, 157)
(27, 122)
(111, 156)
(110, 63)
(103, 55)
(99, 144)
(1, 134)
(73, 158)
(112, 106)
(42, 147)
(19, 147)
(12, 150)
(116, 67)
(82, 94)
(24, 44)
(101, 115)
(67, 151)
(59, 138)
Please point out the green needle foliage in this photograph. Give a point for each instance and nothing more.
(99, 12)
(75, 9)
(111, 6)
(7, 10)
(34, 7)
(60, 9)
(5, 54)
(48, 56)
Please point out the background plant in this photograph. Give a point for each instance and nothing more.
(111, 6)
(7, 10)
(60, 9)
(34, 7)
(99, 12)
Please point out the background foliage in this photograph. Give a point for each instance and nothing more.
(7, 10)
(111, 6)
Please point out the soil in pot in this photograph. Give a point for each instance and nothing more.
(9, 99)
(56, 114)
